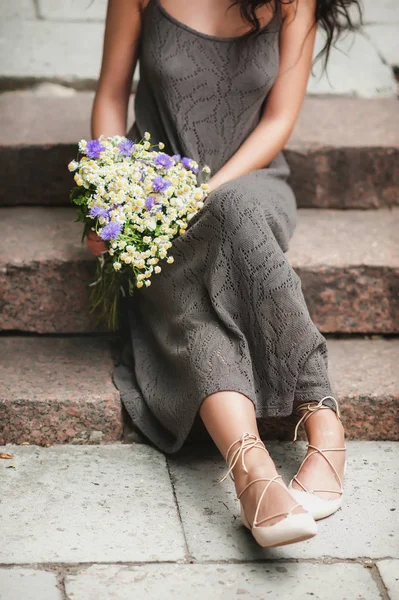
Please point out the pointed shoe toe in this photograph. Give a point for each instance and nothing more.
(290, 530)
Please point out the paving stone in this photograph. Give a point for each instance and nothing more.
(71, 10)
(389, 571)
(58, 390)
(354, 69)
(28, 584)
(50, 50)
(71, 504)
(366, 525)
(348, 262)
(385, 39)
(224, 581)
(17, 9)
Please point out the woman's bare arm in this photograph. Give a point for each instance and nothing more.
(285, 98)
(120, 53)
(121, 39)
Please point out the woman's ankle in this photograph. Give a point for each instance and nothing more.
(265, 470)
(324, 428)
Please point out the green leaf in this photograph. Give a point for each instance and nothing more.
(76, 191)
(79, 195)
(82, 214)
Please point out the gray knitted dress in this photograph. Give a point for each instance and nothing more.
(229, 313)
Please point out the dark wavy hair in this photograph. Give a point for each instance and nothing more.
(333, 16)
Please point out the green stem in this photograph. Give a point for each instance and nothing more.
(106, 294)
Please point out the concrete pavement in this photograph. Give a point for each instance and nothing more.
(122, 521)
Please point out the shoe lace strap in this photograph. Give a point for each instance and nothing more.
(269, 482)
(246, 442)
(321, 451)
(312, 407)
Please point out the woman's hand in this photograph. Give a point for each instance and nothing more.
(95, 244)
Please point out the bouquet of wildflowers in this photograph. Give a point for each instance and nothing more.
(137, 199)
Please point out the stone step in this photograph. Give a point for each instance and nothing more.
(343, 152)
(57, 390)
(348, 262)
(60, 390)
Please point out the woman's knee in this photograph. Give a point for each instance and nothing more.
(225, 199)
(235, 210)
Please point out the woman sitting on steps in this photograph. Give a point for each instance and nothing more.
(225, 331)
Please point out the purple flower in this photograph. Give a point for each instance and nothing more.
(111, 231)
(160, 184)
(149, 202)
(94, 148)
(97, 211)
(176, 157)
(164, 160)
(126, 147)
(189, 164)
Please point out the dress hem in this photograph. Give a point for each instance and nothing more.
(259, 413)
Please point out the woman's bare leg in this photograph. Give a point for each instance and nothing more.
(323, 430)
(227, 415)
